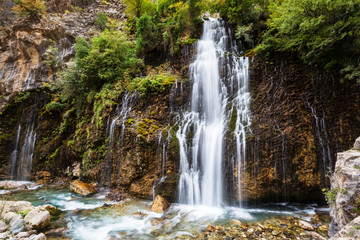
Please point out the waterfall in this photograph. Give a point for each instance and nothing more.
(323, 139)
(220, 87)
(122, 113)
(27, 151)
(15, 155)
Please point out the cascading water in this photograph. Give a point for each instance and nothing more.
(220, 87)
(24, 163)
(122, 113)
(15, 155)
(322, 136)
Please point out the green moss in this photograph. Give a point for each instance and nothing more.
(24, 212)
(130, 121)
(232, 122)
(152, 84)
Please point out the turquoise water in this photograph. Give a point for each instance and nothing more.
(93, 217)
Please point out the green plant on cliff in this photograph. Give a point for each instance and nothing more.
(106, 59)
(29, 8)
(152, 84)
(172, 24)
(323, 33)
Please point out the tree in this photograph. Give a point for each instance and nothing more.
(29, 8)
(322, 32)
(136, 8)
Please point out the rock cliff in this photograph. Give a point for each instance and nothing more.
(344, 195)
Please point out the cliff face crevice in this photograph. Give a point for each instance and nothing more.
(300, 119)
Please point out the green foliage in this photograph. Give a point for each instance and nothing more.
(23, 213)
(324, 33)
(30, 8)
(248, 15)
(241, 11)
(109, 58)
(330, 195)
(152, 84)
(136, 8)
(148, 37)
(101, 20)
(52, 55)
(54, 106)
(170, 25)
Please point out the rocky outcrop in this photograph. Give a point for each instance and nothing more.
(12, 185)
(21, 220)
(357, 144)
(351, 231)
(82, 188)
(43, 177)
(160, 205)
(344, 195)
(37, 219)
(31, 51)
(297, 127)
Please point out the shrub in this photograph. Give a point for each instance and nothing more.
(101, 20)
(324, 33)
(107, 59)
(152, 83)
(29, 8)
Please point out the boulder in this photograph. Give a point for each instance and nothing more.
(14, 219)
(43, 177)
(3, 226)
(5, 235)
(37, 219)
(350, 231)
(12, 185)
(357, 144)
(15, 207)
(82, 188)
(317, 236)
(305, 225)
(345, 190)
(54, 211)
(23, 235)
(160, 205)
(17, 226)
(40, 236)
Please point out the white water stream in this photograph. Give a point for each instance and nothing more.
(220, 86)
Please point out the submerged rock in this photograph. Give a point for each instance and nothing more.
(345, 190)
(82, 188)
(305, 225)
(160, 205)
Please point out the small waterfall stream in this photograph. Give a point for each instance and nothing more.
(21, 161)
(15, 155)
(122, 113)
(220, 86)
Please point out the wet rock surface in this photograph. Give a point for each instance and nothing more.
(160, 205)
(344, 195)
(273, 228)
(82, 188)
(21, 220)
